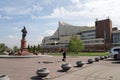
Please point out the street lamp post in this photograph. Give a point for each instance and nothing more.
(55, 45)
(55, 42)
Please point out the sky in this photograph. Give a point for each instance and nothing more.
(40, 17)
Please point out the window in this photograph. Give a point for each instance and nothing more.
(117, 49)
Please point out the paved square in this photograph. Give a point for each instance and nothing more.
(25, 68)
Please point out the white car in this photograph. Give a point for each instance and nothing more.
(115, 53)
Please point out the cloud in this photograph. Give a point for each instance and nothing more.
(11, 40)
(59, 12)
(16, 29)
(36, 41)
(39, 39)
(77, 3)
(5, 17)
(47, 2)
(76, 10)
(92, 8)
(11, 37)
(50, 32)
(36, 8)
(12, 11)
(89, 9)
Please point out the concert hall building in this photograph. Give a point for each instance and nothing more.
(100, 37)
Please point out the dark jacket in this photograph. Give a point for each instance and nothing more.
(64, 54)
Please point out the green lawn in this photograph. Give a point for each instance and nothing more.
(81, 54)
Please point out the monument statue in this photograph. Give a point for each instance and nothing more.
(23, 42)
(24, 32)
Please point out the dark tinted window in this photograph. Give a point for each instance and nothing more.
(118, 50)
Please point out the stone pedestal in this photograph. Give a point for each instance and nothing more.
(23, 43)
(24, 50)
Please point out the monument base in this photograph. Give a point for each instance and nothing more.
(23, 52)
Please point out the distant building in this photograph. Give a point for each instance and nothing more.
(100, 37)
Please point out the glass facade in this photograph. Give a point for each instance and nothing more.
(90, 34)
(116, 37)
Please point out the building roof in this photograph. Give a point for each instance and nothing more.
(116, 31)
(66, 29)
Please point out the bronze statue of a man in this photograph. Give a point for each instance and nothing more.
(24, 32)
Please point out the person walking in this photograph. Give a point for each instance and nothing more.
(64, 56)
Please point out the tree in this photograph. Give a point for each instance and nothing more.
(34, 48)
(3, 47)
(39, 48)
(15, 48)
(75, 45)
(29, 49)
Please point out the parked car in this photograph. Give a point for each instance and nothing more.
(115, 53)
